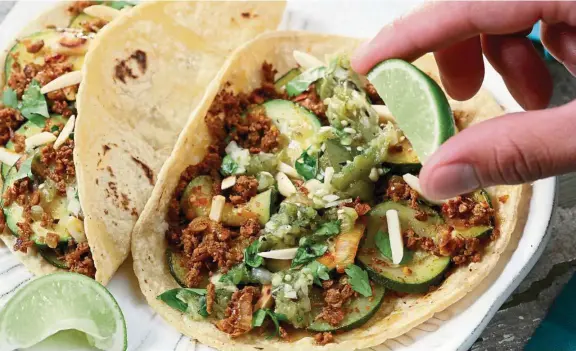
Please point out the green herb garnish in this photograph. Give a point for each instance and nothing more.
(319, 272)
(25, 169)
(306, 166)
(9, 98)
(229, 167)
(34, 106)
(301, 83)
(383, 244)
(174, 299)
(251, 257)
(359, 281)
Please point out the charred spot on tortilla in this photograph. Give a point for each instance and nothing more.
(106, 148)
(125, 202)
(109, 169)
(134, 212)
(147, 171)
(249, 15)
(125, 68)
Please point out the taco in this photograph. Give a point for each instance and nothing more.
(268, 226)
(52, 220)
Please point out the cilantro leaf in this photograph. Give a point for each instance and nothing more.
(203, 307)
(34, 105)
(9, 98)
(25, 169)
(301, 83)
(383, 244)
(382, 240)
(319, 272)
(258, 318)
(239, 274)
(229, 167)
(308, 253)
(359, 280)
(328, 229)
(173, 298)
(251, 257)
(306, 166)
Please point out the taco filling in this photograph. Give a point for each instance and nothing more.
(302, 215)
(37, 114)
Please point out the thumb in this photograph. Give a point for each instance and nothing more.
(511, 149)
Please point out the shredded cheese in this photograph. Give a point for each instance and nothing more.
(103, 12)
(396, 243)
(63, 81)
(228, 182)
(283, 254)
(285, 186)
(217, 208)
(39, 140)
(65, 133)
(306, 60)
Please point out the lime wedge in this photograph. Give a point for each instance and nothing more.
(62, 301)
(417, 103)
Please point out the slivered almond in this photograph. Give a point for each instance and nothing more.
(285, 186)
(283, 254)
(217, 208)
(288, 170)
(65, 133)
(66, 80)
(414, 183)
(396, 243)
(9, 157)
(103, 12)
(306, 60)
(39, 140)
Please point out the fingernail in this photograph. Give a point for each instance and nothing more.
(450, 180)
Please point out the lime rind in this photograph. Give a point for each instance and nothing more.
(62, 301)
(417, 102)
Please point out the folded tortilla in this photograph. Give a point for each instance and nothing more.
(397, 315)
(145, 72)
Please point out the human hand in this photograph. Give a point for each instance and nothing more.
(515, 148)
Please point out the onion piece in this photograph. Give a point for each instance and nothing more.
(396, 243)
(306, 60)
(217, 208)
(414, 183)
(65, 133)
(9, 157)
(283, 254)
(102, 12)
(75, 227)
(39, 140)
(228, 182)
(66, 80)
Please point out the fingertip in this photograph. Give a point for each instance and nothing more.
(360, 58)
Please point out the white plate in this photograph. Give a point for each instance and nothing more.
(455, 329)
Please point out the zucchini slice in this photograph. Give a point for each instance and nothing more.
(358, 310)
(404, 161)
(58, 209)
(78, 21)
(281, 82)
(422, 271)
(480, 231)
(200, 190)
(19, 52)
(297, 124)
(176, 269)
(29, 129)
(53, 258)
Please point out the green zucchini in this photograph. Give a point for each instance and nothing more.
(480, 231)
(357, 311)
(404, 161)
(53, 258)
(176, 269)
(422, 271)
(281, 82)
(200, 190)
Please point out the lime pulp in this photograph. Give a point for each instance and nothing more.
(62, 301)
(418, 104)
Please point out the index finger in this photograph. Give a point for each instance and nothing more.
(439, 24)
